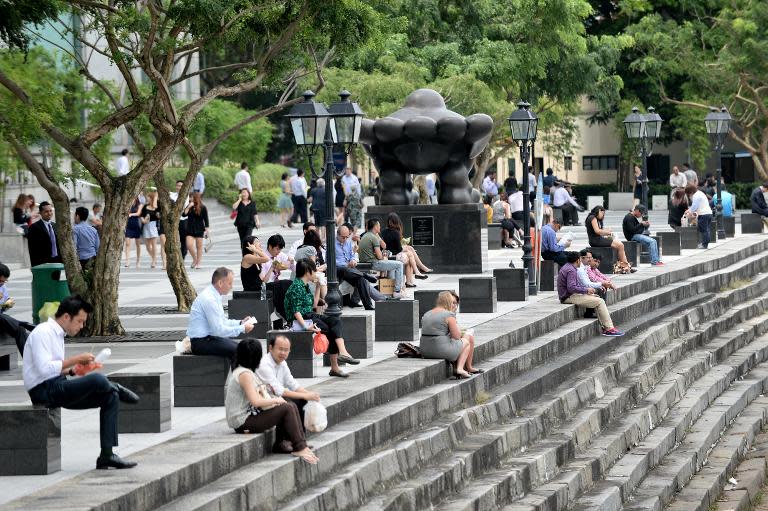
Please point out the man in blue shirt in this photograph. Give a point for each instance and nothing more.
(551, 249)
(86, 238)
(210, 331)
(729, 203)
(346, 269)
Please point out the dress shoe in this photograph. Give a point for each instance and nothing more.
(348, 360)
(113, 461)
(126, 395)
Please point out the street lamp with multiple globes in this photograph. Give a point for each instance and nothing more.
(315, 125)
(718, 124)
(643, 130)
(523, 123)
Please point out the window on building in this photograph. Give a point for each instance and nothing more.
(607, 162)
(568, 163)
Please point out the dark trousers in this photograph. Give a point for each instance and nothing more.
(11, 327)
(285, 417)
(558, 257)
(93, 390)
(570, 214)
(330, 326)
(299, 208)
(362, 286)
(703, 222)
(243, 231)
(300, 404)
(216, 346)
(183, 238)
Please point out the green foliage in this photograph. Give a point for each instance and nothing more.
(267, 176)
(17, 15)
(266, 200)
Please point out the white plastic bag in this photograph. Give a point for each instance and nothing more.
(315, 417)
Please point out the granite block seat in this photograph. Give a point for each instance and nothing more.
(494, 236)
(751, 223)
(30, 443)
(511, 284)
(9, 353)
(712, 231)
(249, 303)
(427, 299)
(729, 223)
(478, 294)
(689, 237)
(548, 279)
(659, 202)
(152, 414)
(632, 250)
(301, 361)
(620, 201)
(198, 380)
(358, 336)
(609, 258)
(669, 241)
(397, 320)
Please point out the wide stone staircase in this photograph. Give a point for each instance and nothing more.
(562, 418)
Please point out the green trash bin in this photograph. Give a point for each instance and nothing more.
(49, 284)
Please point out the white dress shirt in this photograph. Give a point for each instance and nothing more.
(581, 273)
(561, 196)
(516, 201)
(243, 180)
(43, 354)
(207, 317)
(299, 186)
(700, 204)
(123, 166)
(349, 182)
(278, 376)
(678, 180)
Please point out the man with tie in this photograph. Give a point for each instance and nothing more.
(42, 238)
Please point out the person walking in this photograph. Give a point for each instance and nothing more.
(150, 219)
(133, 232)
(319, 206)
(123, 165)
(353, 207)
(285, 203)
(243, 178)
(299, 197)
(246, 215)
(86, 238)
(197, 228)
(42, 238)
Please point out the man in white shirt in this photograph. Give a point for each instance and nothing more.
(123, 165)
(199, 184)
(210, 331)
(278, 261)
(274, 371)
(677, 179)
(243, 178)
(563, 200)
(299, 197)
(349, 181)
(46, 371)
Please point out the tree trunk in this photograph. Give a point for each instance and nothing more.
(177, 273)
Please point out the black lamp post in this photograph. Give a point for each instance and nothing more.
(718, 124)
(523, 123)
(313, 125)
(643, 130)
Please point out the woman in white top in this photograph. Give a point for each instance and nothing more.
(701, 211)
(251, 407)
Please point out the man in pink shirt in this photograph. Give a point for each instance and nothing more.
(594, 273)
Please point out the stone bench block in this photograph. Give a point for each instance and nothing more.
(9, 353)
(358, 336)
(478, 294)
(620, 201)
(729, 223)
(494, 236)
(689, 237)
(594, 200)
(751, 223)
(427, 299)
(632, 250)
(645, 256)
(669, 241)
(548, 279)
(609, 258)
(250, 304)
(198, 380)
(659, 202)
(397, 320)
(302, 357)
(30, 443)
(152, 414)
(511, 284)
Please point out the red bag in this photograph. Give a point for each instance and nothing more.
(320, 342)
(233, 215)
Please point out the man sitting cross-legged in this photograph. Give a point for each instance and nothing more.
(571, 291)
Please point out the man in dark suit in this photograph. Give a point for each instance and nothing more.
(42, 238)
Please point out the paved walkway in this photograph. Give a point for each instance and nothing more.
(144, 297)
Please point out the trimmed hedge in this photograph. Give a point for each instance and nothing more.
(219, 184)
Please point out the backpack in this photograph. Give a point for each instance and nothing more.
(407, 350)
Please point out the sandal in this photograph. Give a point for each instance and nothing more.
(410, 285)
(459, 376)
(476, 371)
(421, 276)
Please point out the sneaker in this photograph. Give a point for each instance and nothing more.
(700, 246)
(612, 332)
(657, 263)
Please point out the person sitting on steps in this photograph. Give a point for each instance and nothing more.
(599, 236)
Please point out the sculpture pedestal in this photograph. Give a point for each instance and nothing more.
(448, 237)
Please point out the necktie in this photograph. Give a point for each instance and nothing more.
(52, 236)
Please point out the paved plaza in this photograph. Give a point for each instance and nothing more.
(147, 305)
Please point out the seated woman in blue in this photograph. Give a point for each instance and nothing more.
(298, 308)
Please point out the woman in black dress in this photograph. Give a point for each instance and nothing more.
(638, 195)
(247, 217)
(339, 201)
(133, 232)
(602, 237)
(197, 228)
(254, 256)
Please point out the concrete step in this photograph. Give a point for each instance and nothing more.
(393, 398)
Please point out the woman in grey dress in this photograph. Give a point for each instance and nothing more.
(441, 336)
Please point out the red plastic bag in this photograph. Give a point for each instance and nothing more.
(320, 342)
